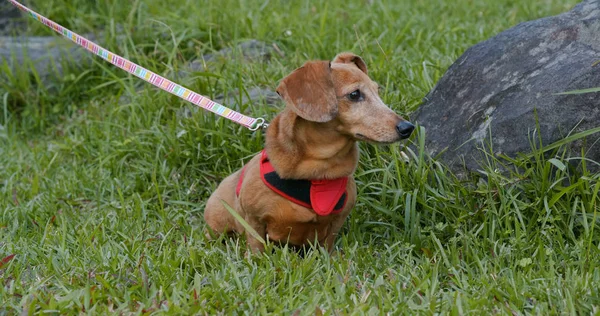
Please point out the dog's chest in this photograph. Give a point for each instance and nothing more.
(324, 197)
(297, 225)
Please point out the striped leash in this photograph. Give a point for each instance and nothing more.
(251, 123)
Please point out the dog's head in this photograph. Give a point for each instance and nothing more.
(340, 93)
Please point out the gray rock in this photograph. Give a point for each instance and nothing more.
(254, 95)
(47, 53)
(250, 51)
(11, 20)
(232, 100)
(499, 84)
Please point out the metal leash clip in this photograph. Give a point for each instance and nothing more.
(260, 123)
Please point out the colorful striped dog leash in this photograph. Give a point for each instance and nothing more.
(147, 75)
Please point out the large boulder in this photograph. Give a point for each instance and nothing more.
(495, 88)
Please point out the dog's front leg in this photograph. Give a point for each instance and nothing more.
(328, 244)
(333, 231)
(331, 236)
(255, 245)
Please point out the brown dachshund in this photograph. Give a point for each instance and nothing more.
(300, 189)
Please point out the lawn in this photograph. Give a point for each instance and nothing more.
(103, 182)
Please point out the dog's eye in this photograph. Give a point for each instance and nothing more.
(355, 95)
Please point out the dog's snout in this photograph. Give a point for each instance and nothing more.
(404, 129)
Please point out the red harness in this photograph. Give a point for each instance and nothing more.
(323, 196)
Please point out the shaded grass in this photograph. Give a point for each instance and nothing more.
(102, 183)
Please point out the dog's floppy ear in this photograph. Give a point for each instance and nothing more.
(350, 58)
(309, 90)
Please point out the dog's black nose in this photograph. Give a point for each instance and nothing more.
(404, 129)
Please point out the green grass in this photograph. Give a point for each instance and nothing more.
(102, 186)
